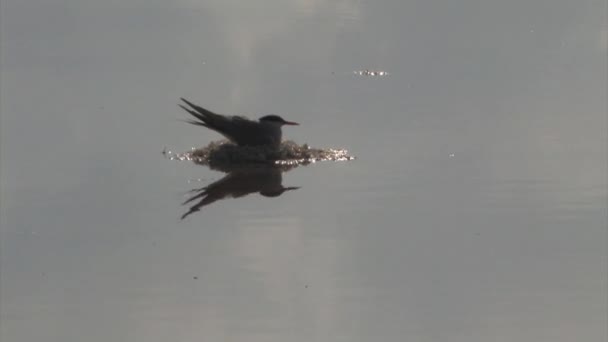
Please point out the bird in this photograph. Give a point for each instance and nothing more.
(239, 130)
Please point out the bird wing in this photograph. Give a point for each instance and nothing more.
(235, 128)
(207, 118)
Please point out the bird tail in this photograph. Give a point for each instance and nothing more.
(204, 116)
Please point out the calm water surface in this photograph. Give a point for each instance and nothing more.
(476, 209)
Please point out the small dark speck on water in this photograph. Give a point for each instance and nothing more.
(195, 278)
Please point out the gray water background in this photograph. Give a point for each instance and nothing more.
(476, 209)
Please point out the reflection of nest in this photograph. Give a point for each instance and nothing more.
(225, 156)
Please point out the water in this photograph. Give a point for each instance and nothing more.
(475, 210)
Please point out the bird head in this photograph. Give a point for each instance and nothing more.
(277, 120)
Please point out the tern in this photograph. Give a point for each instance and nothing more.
(238, 129)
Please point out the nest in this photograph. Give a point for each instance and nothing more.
(226, 155)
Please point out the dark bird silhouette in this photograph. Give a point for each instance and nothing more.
(238, 129)
(265, 180)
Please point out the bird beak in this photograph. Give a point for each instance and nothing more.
(291, 123)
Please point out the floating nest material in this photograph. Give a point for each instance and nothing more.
(225, 155)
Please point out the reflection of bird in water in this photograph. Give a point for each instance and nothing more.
(240, 130)
(239, 182)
